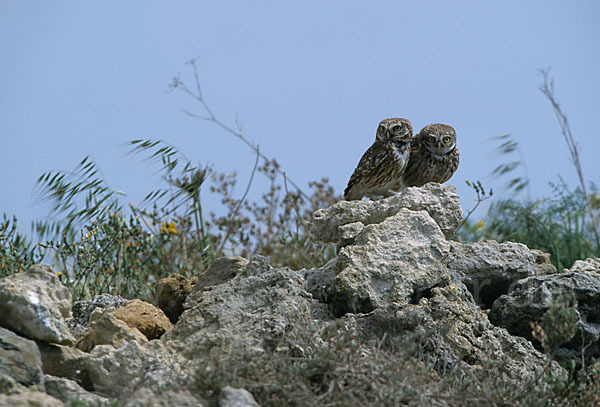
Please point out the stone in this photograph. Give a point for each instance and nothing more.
(221, 270)
(530, 298)
(30, 399)
(66, 390)
(490, 269)
(248, 313)
(106, 329)
(232, 397)
(146, 397)
(170, 294)
(590, 265)
(117, 372)
(147, 318)
(439, 200)
(83, 309)
(396, 260)
(35, 304)
(455, 330)
(67, 362)
(20, 360)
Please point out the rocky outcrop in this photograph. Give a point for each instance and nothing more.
(490, 269)
(251, 312)
(35, 304)
(396, 281)
(20, 362)
(344, 220)
(530, 298)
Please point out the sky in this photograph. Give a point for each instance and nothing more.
(309, 80)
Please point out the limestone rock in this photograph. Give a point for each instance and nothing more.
(65, 390)
(35, 304)
(30, 399)
(147, 318)
(171, 293)
(439, 200)
(393, 261)
(20, 360)
(116, 373)
(490, 269)
(67, 362)
(529, 301)
(232, 397)
(590, 265)
(222, 269)
(146, 397)
(455, 329)
(83, 309)
(250, 313)
(106, 329)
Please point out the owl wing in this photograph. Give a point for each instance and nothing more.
(368, 166)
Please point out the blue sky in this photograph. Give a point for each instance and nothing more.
(310, 80)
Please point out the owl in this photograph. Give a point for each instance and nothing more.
(433, 157)
(382, 165)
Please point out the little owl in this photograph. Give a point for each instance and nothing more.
(433, 157)
(382, 165)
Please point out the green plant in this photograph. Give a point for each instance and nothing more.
(17, 252)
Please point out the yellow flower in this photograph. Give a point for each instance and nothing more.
(58, 274)
(170, 228)
(479, 224)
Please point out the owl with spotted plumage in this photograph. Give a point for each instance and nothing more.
(382, 165)
(433, 157)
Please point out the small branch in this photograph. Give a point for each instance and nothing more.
(210, 116)
(238, 206)
(547, 89)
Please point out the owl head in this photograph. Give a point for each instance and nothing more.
(394, 130)
(438, 138)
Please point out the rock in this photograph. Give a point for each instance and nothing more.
(20, 359)
(66, 390)
(106, 329)
(440, 201)
(67, 362)
(147, 318)
(35, 304)
(396, 260)
(83, 309)
(222, 269)
(529, 301)
(145, 397)
(588, 265)
(232, 397)
(116, 373)
(453, 329)
(490, 269)
(248, 313)
(171, 293)
(30, 399)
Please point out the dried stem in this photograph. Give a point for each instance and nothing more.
(547, 89)
(210, 116)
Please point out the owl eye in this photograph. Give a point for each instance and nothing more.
(397, 128)
(381, 129)
(446, 139)
(431, 139)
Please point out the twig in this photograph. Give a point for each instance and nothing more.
(547, 89)
(237, 208)
(210, 116)
(481, 196)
